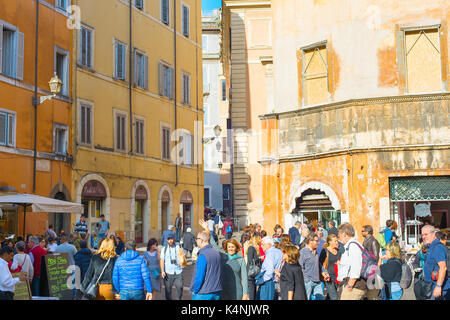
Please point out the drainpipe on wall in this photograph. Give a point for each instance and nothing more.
(35, 100)
(130, 86)
(175, 84)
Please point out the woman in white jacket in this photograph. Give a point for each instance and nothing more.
(23, 260)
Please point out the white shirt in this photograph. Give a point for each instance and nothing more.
(52, 247)
(7, 282)
(211, 225)
(351, 261)
(24, 261)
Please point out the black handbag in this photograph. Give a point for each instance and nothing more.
(422, 289)
(253, 270)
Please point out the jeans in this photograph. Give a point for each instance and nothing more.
(266, 291)
(35, 284)
(169, 281)
(208, 296)
(314, 290)
(396, 292)
(132, 294)
(251, 289)
(332, 290)
(177, 234)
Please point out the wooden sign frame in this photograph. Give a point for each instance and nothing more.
(22, 286)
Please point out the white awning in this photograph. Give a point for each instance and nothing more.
(42, 204)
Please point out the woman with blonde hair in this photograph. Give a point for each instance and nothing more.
(328, 258)
(101, 269)
(391, 273)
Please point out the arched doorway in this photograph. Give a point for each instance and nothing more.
(93, 198)
(186, 204)
(315, 201)
(140, 221)
(60, 221)
(164, 208)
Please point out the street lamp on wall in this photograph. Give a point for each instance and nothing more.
(55, 85)
(220, 165)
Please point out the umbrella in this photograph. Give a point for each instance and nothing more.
(41, 204)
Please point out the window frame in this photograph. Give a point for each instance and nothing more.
(163, 127)
(13, 115)
(80, 51)
(139, 119)
(65, 89)
(136, 73)
(163, 67)
(18, 51)
(60, 127)
(124, 58)
(168, 12)
(120, 114)
(314, 46)
(186, 94)
(68, 3)
(90, 106)
(139, 8)
(186, 32)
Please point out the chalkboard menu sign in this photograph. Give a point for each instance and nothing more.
(22, 289)
(55, 276)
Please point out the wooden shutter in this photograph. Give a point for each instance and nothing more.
(20, 52)
(88, 125)
(146, 72)
(165, 11)
(11, 129)
(172, 79)
(186, 21)
(135, 66)
(83, 111)
(88, 48)
(1, 46)
(161, 78)
(3, 125)
(118, 61)
(192, 149)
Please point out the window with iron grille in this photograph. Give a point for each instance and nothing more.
(7, 129)
(139, 136)
(121, 132)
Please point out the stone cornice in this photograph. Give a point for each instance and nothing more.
(357, 102)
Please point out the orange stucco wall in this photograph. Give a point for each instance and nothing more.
(16, 163)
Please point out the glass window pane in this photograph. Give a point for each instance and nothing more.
(3, 126)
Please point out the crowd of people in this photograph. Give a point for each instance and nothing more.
(309, 262)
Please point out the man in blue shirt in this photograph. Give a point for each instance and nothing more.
(272, 262)
(206, 278)
(103, 227)
(435, 267)
(294, 233)
(81, 227)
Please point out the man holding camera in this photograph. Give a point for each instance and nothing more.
(172, 263)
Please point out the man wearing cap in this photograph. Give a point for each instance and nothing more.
(171, 271)
(188, 241)
(166, 234)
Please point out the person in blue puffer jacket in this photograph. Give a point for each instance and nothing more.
(131, 274)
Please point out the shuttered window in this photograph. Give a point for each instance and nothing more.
(85, 124)
(166, 76)
(139, 136)
(186, 89)
(140, 70)
(121, 132)
(62, 4)
(11, 52)
(60, 142)
(7, 129)
(120, 61)
(165, 140)
(62, 70)
(185, 21)
(139, 4)
(86, 49)
(165, 11)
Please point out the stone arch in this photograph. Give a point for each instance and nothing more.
(146, 212)
(61, 188)
(99, 178)
(169, 209)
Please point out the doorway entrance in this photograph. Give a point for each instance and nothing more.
(186, 203)
(314, 206)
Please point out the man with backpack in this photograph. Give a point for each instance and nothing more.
(371, 244)
(172, 263)
(352, 286)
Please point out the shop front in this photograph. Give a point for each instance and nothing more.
(93, 199)
(141, 198)
(186, 203)
(420, 200)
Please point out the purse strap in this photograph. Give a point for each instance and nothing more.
(101, 274)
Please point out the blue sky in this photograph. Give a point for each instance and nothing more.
(211, 4)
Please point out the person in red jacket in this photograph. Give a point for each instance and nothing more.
(227, 223)
(36, 253)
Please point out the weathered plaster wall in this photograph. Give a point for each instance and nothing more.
(363, 38)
